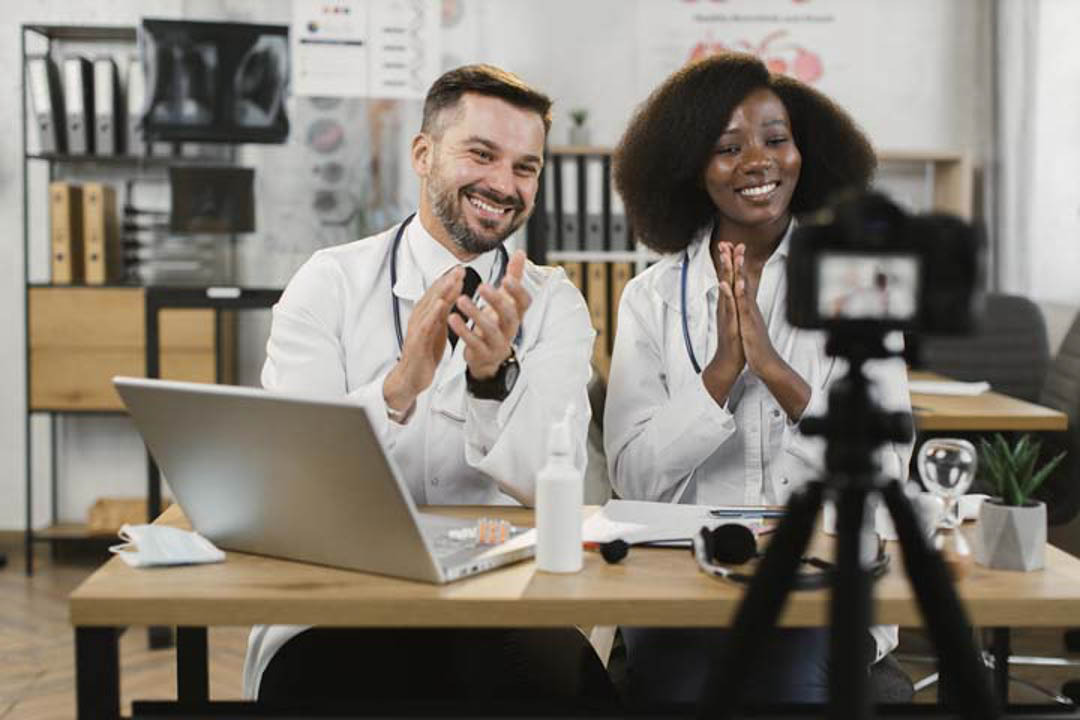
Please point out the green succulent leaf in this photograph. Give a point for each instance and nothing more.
(1012, 491)
(1001, 446)
(1011, 469)
(1039, 477)
(994, 462)
(1025, 465)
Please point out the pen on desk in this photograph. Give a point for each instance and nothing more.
(749, 513)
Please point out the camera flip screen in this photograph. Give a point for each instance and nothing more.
(855, 286)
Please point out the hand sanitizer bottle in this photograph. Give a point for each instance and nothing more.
(559, 493)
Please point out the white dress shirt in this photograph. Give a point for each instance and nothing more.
(333, 335)
(665, 436)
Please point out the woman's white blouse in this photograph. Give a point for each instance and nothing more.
(667, 439)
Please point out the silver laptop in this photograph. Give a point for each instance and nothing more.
(298, 478)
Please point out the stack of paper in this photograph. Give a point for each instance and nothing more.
(637, 521)
(948, 387)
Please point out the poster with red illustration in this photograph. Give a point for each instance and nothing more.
(793, 37)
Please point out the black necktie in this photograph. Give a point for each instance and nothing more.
(472, 282)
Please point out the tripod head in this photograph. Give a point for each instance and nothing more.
(855, 426)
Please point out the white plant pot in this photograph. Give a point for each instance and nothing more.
(579, 135)
(1011, 538)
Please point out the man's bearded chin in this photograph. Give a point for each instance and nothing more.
(448, 206)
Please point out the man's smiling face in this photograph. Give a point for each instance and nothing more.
(481, 177)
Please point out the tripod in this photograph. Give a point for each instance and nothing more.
(853, 428)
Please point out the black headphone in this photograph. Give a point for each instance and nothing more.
(728, 543)
(735, 544)
(732, 546)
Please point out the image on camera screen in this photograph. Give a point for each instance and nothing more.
(867, 287)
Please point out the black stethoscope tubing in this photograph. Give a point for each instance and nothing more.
(685, 320)
(393, 279)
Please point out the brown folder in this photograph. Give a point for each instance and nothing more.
(65, 223)
(102, 234)
(598, 312)
(575, 272)
(620, 275)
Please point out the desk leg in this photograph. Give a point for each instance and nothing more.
(157, 637)
(97, 672)
(1001, 648)
(192, 671)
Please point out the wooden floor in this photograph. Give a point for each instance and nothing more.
(37, 654)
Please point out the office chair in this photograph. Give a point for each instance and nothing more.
(1061, 391)
(1061, 491)
(1009, 350)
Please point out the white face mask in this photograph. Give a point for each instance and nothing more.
(149, 545)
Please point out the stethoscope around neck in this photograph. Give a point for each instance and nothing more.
(685, 319)
(393, 280)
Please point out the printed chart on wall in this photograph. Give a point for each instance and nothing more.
(793, 37)
(365, 48)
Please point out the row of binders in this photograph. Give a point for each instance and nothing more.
(83, 108)
(84, 234)
(602, 285)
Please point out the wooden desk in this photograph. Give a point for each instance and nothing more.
(989, 411)
(658, 587)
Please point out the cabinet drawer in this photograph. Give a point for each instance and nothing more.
(86, 318)
(81, 337)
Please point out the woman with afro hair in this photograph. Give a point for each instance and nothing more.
(708, 380)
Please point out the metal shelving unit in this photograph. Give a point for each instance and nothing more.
(51, 35)
(147, 166)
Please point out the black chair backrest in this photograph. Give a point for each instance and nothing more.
(1010, 349)
(1061, 391)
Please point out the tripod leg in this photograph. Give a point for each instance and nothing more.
(850, 611)
(761, 605)
(941, 609)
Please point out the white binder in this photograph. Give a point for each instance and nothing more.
(47, 103)
(79, 103)
(107, 108)
(136, 98)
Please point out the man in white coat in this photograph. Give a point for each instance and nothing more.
(460, 389)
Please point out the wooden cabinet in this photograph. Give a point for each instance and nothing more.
(945, 180)
(80, 337)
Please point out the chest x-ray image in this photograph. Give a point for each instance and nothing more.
(215, 82)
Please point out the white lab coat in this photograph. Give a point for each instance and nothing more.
(333, 335)
(665, 437)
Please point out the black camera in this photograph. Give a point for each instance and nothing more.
(863, 265)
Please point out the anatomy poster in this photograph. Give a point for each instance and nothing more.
(793, 37)
(365, 48)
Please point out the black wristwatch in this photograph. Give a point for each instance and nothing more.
(498, 386)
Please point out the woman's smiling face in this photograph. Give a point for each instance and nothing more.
(755, 164)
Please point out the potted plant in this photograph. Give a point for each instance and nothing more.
(579, 133)
(1011, 533)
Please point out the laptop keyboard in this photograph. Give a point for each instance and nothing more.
(444, 545)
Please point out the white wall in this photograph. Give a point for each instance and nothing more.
(1051, 234)
(908, 70)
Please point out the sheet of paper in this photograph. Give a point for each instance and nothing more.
(948, 387)
(638, 521)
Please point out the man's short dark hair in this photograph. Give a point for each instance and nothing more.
(487, 80)
(660, 160)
